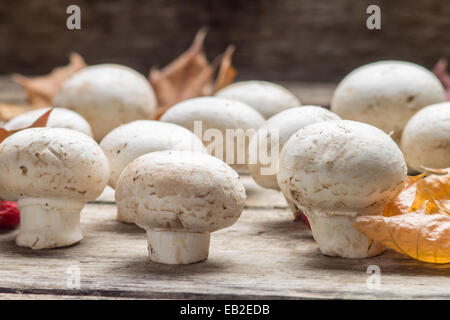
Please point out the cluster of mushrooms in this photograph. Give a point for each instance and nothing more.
(332, 170)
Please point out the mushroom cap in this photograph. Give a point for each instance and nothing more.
(386, 94)
(341, 168)
(220, 114)
(266, 97)
(181, 191)
(426, 138)
(52, 163)
(286, 123)
(107, 96)
(132, 140)
(59, 118)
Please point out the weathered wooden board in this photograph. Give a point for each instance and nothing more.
(264, 255)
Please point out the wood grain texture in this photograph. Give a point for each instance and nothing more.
(304, 40)
(264, 255)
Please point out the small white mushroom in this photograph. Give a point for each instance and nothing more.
(386, 94)
(335, 171)
(426, 138)
(107, 96)
(59, 118)
(134, 139)
(284, 124)
(266, 97)
(180, 197)
(52, 173)
(218, 121)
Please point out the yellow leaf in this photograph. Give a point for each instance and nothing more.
(422, 236)
(402, 203)
(435, 187)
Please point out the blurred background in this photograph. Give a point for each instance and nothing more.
(289, 40)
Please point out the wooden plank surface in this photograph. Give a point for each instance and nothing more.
(264, 255)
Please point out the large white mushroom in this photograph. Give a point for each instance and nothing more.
(335, 171)
(386, 94)
(180, 197)
(266, 97)
(52, 173)
(107, 96)
(426, 138)
(282, 125)
(59, 118)
(134, 139)
(225, 126)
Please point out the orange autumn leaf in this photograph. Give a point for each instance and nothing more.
(417, 222)
(422, 236)
(41, 122)
(435, 187)
(191, 75)
(402, 203)
(41, 90)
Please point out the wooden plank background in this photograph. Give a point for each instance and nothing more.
(306, 40)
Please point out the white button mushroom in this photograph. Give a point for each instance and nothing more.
(59, 118)
(225, 126)
(266, 97)
(132, 140)
(426, 138)
(180, 197)
(107, 96)
(335, 171)
(386, 94)
(284, 124)
(51, 172)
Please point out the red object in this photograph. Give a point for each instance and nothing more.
(9, 214)
(440, 70)
(305, 220)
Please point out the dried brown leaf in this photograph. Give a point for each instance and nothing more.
(41, 122)
(41, 90)
(190, 75)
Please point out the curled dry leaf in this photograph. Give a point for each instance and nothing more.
(440, 70)
(41, 90)
(41, 122)
(418, 234)
(191, 75)
(417, 222)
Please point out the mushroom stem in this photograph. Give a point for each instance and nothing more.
(49, 223)
(337, 237)
(172, 247)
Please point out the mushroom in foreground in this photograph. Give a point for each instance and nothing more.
(134, 139)
(180, 197)
(266, 97)
(335, 171)
(426, 138)
(225, 126)
(107, 96)
(386, 94)
(59, 118)
(51, 173)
